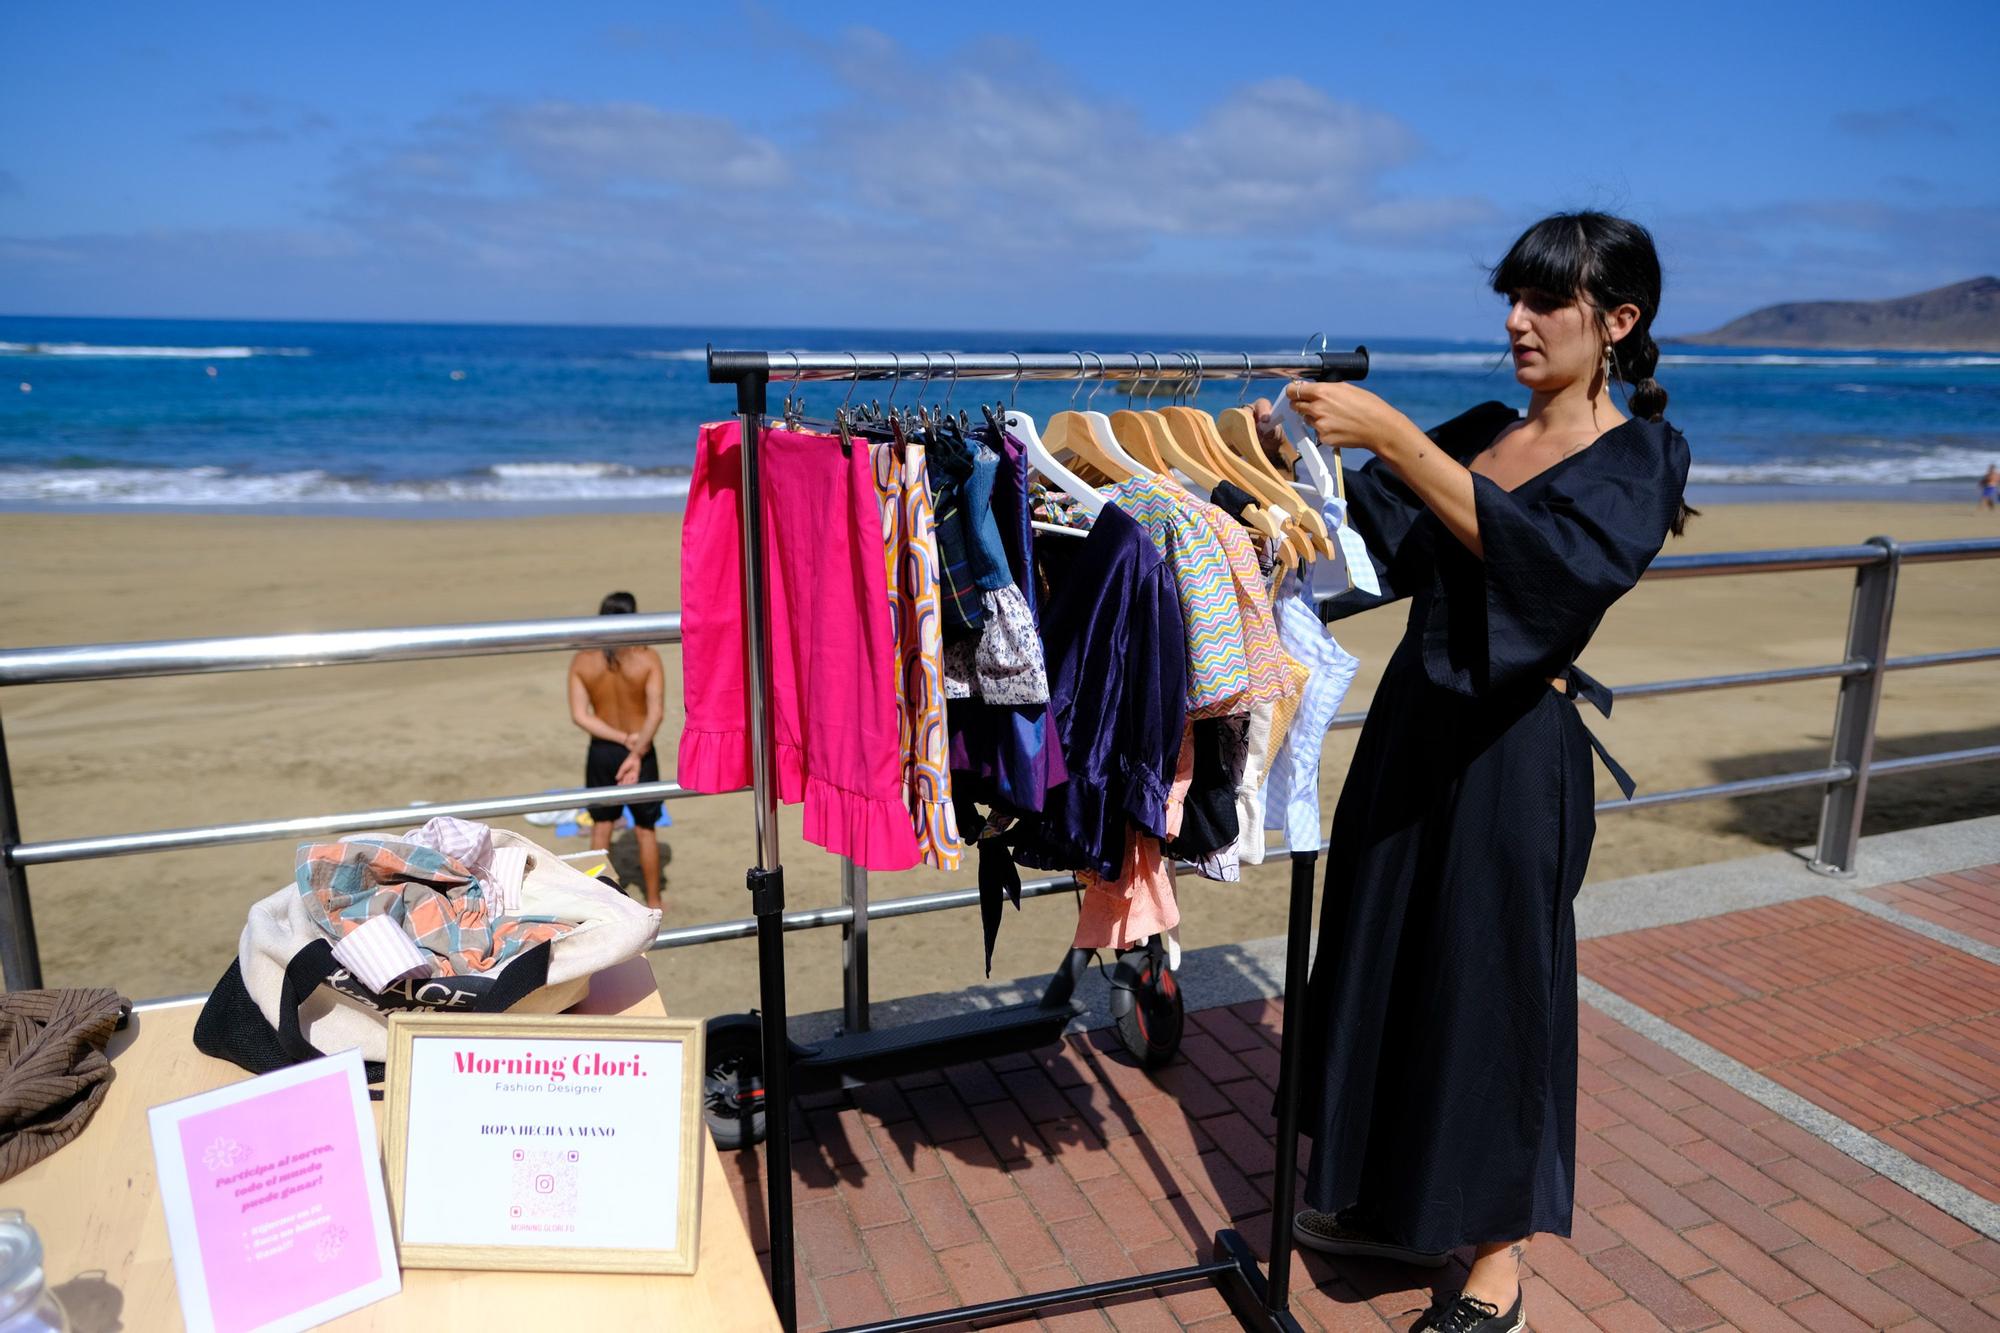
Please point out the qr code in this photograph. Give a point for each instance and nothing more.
(543, 1197)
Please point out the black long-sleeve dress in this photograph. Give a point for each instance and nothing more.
(1440, 1080)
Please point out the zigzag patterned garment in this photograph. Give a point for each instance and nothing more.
(1270, 679)
(1218, 665)
(910, 559)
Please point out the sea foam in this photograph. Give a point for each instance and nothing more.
(221, 487)
(181, 353)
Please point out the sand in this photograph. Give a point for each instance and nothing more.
(143, 755)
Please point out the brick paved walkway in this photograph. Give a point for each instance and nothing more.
(1697, 1207)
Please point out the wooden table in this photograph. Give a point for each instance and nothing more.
(104, 1235)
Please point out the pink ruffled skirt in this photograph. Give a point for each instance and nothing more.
(832, 658)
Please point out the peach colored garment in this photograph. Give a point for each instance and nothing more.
(1287, 709)
(832, 652)
(1140, 902)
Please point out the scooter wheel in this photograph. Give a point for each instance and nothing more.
(1151, 1029)
(733, 1084)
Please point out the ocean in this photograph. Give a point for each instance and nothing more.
(416, 419)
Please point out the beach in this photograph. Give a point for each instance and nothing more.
(133, 756)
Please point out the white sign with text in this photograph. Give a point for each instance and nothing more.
(544, 1142)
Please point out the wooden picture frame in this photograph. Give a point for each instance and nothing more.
(532, 1048)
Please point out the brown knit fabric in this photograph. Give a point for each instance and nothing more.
(53, 1070)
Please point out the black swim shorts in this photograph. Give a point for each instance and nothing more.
(600, 769)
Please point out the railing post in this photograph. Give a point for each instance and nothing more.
(20, 954)
(854, 947)
(1860, 700)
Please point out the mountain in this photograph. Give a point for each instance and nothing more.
(1964, 317)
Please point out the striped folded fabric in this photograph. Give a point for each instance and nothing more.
(502, 869)
(506, 871)
(380, 952)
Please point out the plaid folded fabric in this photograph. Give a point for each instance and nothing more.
(441, 904)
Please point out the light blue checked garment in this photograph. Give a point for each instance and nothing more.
(1291, 794)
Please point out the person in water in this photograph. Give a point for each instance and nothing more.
(616, 694)
(1441, 1037)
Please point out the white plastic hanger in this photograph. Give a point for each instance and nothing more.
(1287, 418)
(1022, 427)
(1100, 428)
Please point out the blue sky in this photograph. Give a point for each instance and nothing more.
(1291, 168)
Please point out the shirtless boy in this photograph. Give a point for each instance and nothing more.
(615, 694)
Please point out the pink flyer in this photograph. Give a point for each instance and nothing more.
(274, 1199)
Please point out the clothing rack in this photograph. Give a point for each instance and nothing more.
(1258, 1301)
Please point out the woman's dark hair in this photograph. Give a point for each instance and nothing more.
(616, 604)
(1608, 261)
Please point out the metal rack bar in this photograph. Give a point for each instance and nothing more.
(738, 367)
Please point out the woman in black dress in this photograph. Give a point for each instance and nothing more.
(1440, 1088)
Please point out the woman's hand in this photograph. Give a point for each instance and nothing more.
(1344, 414)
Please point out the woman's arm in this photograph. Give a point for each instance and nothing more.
(1342, 414)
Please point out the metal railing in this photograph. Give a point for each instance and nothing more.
(1844, 778)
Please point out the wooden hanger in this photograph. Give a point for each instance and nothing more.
(1180, 440)
(1178, 435)
(1073, 432)
(1178, 447)
(1130, 430)
(1238, 428)
(1068, 432)
(1297, 542)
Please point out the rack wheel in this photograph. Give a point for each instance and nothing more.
(733, 1085)
(1150, 1028)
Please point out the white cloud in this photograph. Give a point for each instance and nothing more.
(992, 187)
(632, 142)
(993, 156)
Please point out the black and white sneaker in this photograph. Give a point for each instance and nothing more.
(1465, 1314)
(1326, 1233)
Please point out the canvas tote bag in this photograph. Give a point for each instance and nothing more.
(315, 1007)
